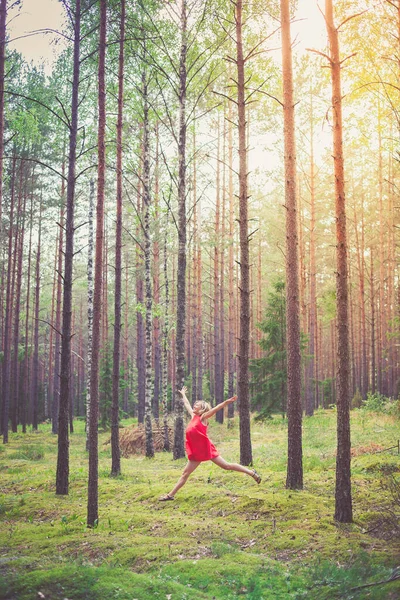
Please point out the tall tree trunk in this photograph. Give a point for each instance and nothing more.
(231, 268)
(8, 317)
(3, 35)
(312, 388)
(115, 451)
(26, 371)
(246, 457)
(294, 478)
(147, 259)
(89, 307)
(343, 502)
(372, 301)
(179, 447)
(19, 255)
(156, 288)
(216, 300)
(56, 386)
(65, 370)
(92, 512)
(165, 350)
(35, 375)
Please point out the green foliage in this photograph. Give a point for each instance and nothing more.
(269, 373)
(357, 399)
(105, 386)
(34, 452)
(379, 403)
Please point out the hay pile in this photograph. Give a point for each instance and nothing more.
(132, 440)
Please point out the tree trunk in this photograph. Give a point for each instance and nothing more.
(115, 451)
(35, 375)
(179, 447)
(246, 457)
(156, 289)
(92, 513)
(89, 308)
(3, 35)
(65, 370)
(231, 268)
(19, 255)
(165, 350)
(8, 317)
(147, 260)
(294, 478)
(343, 502)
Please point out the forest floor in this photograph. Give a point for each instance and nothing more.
(222, 537)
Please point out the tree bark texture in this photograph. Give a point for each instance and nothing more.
(92, 511)
(343, 501)
(179, 447)
(115, 450)
(246, 457)
(65, 368)
(294, 478)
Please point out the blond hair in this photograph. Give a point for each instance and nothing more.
(205, 406)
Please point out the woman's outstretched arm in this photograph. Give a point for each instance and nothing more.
(212, 412)
(186, 402)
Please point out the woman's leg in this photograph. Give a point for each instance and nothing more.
(220, 462)
(187, 471)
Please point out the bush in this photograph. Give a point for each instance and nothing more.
(357, 400)
(374, 402)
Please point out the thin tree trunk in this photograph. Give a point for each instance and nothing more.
(216, 300)
(231, 268)
(115, 450)
(246, 457)
(165, 350)
(179, 447)
(294, 478)
(65, 370)
(19, 256)
(156, 289)
(147, 258)
(35, 379)
(89, 307)
(26, 371)
(92, 512)
(343, 501)
(3, 36)
(56, 386)
(8, 317)
(372, 300)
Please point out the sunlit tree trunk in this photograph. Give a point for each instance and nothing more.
(294, 478)
(231, 270)
(343, 500)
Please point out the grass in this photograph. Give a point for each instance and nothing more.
(223, 537)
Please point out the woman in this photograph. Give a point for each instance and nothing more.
(199, 447)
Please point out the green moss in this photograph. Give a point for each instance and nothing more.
(223, 535)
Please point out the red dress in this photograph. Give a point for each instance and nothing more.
(198, 445)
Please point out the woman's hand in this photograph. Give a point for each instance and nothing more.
(230, 400)
(183, 391)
